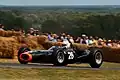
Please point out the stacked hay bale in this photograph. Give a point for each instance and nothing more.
(111, 54)
(8, 46)
(9, 33)
(11, 41)
(33, 43)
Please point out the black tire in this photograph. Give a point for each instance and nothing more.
(96, 58)
(59, 58)
(22, 50)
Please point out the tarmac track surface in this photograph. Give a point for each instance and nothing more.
(40, 66)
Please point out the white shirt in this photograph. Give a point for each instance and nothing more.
(71, 40)
(65, 41)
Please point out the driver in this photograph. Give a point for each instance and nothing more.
(65, 40)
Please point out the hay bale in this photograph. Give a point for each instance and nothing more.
(49, 44)
(30, 41)
(9, 33)
(80, 46)
(33, 43)
(42, 39)
(7, 47)
(111, 54)
(2, 33)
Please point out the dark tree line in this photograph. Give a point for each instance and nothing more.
(96, 24)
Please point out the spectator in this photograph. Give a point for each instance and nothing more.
(109, 43)
(50, 37)
(59, 39)
(114, 43)
(22, 32)
(87, 40)
(35, 33)
(54, 38)
(83, 39)
(118, 45)
(71, 40)
(90, 40)
(100, 41)
(1, 27)
(32, 31)
(79, 40)
(63, 36)
(95, 41)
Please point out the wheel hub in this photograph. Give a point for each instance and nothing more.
(60, 57)
(98, 58)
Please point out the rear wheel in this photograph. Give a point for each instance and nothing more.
(22, 50)
(96, 58)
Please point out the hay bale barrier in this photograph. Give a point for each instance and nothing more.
(111, 54)
(11, 41)
(9, 33)
(8, 47)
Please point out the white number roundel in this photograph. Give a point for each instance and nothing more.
(71, 55)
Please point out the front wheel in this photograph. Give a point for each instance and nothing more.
(22, 50)
(59, 59)
(96, 58)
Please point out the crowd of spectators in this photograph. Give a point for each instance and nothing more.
(66, 38)
(83, 39)
(33, 32)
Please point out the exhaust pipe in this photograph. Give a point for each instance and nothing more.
(27, 57)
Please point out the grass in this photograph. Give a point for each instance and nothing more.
(59, 74)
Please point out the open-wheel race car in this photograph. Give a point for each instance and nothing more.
(61, 56)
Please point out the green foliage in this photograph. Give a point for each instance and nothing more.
(11, 21)
(50, 26)
(103, 24)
